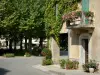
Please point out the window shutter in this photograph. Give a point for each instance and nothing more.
(85, 5)
(85, 8)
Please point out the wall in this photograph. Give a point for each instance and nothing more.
(95, 7)
(73, 45)
(55, 51)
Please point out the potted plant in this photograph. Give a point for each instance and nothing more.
(91, 66)
(72, 64)
(91, 70)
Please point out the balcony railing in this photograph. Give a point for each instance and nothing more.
(79, 19)
(80, 22)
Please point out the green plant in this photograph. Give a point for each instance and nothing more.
(62, 63)
(9, 55)
(71, 64)
(89, 14)
(36, 51)
(44, 51)
(86, 67)
(47, 61)
(91, 64)
(47, 57)
(27, 54)
(72, 15)
(75, 64)
(79, 13)
(19, 52)
(47, 53)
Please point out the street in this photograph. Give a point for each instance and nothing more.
(20, 66)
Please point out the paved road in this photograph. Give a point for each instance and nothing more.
(20, 66)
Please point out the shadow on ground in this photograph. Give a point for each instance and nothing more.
(3, 71)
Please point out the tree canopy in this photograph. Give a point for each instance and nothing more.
(33, 18)
(22, 18)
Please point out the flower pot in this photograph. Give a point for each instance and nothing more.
(77, 22)
(72, 23)
(91, 70)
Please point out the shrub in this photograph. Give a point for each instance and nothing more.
(91, 64)
(47, 57)
(36, 51)
(47, 61)
(9, 55)
(27, 54)
(71, 64)
(62, 63)
(86, 67)
(75, 64)
(19, 52)
(47, 53)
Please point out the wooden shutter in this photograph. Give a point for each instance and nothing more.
(85, 8)
(85, 5)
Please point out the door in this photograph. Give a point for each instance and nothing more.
(85, 48)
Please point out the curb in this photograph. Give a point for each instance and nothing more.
(55, 70)
(42, 68)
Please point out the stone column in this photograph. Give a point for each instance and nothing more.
(55, 51)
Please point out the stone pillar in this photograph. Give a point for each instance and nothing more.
(55, 51)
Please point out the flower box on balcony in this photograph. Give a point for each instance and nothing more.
(77, 15)
(78, 21)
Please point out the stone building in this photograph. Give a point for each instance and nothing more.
(83, 28)
(84, 32)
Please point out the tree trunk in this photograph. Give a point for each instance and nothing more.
(25, 43)
(10, 44)
(21, 43)
(41, 42)
(30, 44)
(14, 44)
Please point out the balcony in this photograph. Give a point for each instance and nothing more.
(79, 20)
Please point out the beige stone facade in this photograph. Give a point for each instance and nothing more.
(82, 37)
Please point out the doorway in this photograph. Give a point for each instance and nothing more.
(85, 48)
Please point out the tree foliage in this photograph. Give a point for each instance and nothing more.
(32, 18)
(22, 18)
(53, 15)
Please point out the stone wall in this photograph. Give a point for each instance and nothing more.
(55, 51)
